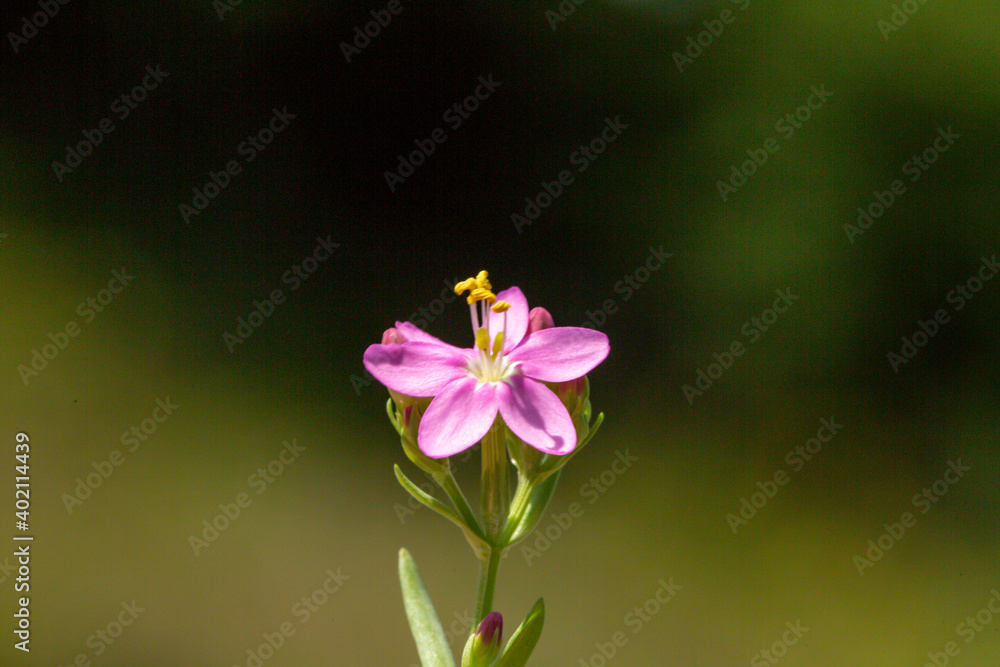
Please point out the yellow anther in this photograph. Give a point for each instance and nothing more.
(498, 343)
(500, 307)
(481, 294)
(469, 284)
(482, 339)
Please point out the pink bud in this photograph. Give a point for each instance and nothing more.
(392, 337)
(491, 629)
(539, 319)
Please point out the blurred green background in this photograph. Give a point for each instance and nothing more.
(298, 377)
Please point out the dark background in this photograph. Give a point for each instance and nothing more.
(299, 375)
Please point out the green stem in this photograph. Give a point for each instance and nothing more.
(487, 584)
(495, 489)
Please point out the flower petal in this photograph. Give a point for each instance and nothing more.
(415, 368)
(458, 417)
(560, 354)
(536, 415)
(414, 333)
(517, 318)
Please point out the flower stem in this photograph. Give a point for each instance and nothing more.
(495, 489)
(487, 584)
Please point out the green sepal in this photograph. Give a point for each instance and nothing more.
(539, 500)
(467, 651)
(523, 641)
(432, 646)
(391, 411)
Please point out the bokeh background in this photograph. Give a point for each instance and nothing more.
(298, 377)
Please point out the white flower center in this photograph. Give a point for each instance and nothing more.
(487, 368)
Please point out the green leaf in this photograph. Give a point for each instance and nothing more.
(523, 641)
(427, 499)
(424, 624)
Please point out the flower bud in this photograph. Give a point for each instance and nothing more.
(573, 394)
(484, 644)
(539, 319)
(392, 336)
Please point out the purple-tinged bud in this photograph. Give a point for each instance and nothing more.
(539, 319)
(484, 645)
(491, 629)
(392, 336)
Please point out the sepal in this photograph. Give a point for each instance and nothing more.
(523, 641)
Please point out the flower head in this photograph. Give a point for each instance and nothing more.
(503, 372)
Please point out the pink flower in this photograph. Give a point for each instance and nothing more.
(502, 373)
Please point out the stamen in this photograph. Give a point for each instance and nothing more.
(475, 318)
(479, 290)
(481, 294)
(468, 284)
(482, 339)
(497, 344)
